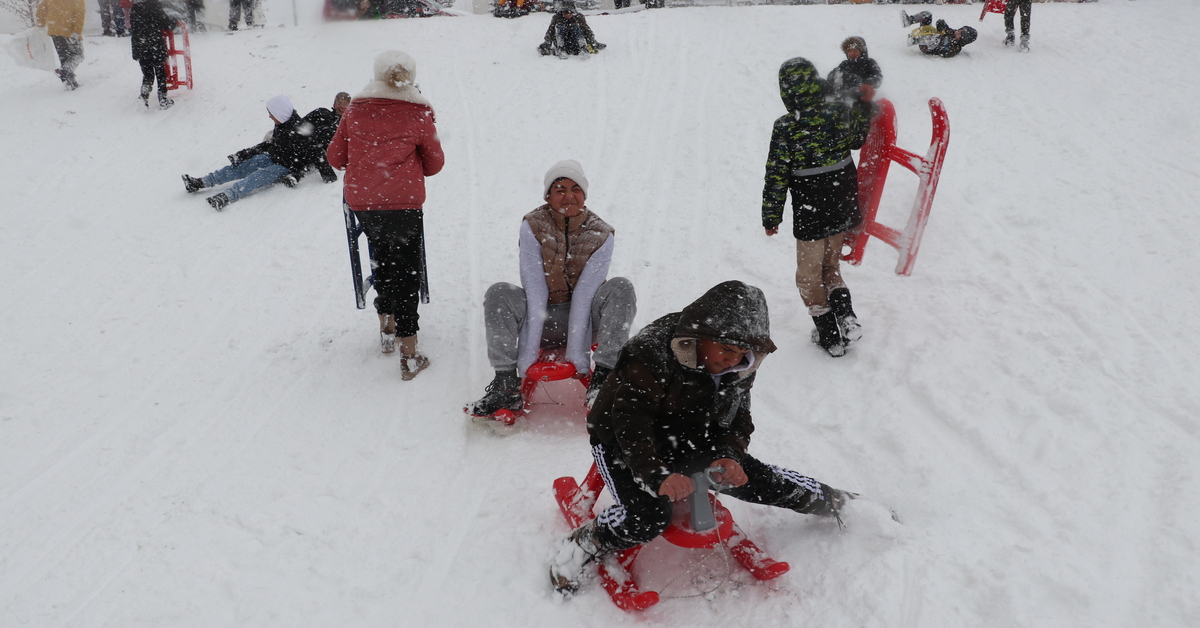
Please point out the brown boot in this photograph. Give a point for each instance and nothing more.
(411, 362)
(387, 333)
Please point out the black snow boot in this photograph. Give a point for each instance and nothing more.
(572, 556)
(1009, 38)
(599, 374)
(503, 393)
(839, 300)
(219, 201)
(827, 334)
(145, 96)
(190, 183)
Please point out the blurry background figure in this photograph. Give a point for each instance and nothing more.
(193, 8)
(112, 18)
(147, 21)
(1010, 11)
(569, 33)
(63, 20)
(857, 70)
(236, 9)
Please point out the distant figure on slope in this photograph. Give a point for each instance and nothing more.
(569, 33)
(859, 69)
(810, 158)
(239, 7)
(147, 21)
(289, 151)
(112, 18)
(678, 402)
(564, 299)
(1010, 11)
(387, 144)
(939, 40)
(63, 20)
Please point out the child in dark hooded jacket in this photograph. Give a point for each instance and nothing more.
(810, 158)
(147, 21)
(677, 402)
(846, 80)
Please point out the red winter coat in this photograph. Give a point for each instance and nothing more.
(387, 147)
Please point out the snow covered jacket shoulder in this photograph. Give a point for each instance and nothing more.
(387, 143)
(62, 18)
(816, 136)
(147, 21)
(659, 405)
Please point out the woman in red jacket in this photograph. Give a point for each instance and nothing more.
(387, 144)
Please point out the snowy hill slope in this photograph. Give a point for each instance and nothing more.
(196, 428)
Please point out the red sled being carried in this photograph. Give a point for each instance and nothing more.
(992, 6)
(176, 78)
(877, 154)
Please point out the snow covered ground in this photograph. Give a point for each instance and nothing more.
(197, 428)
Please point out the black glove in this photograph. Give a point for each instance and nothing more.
(329, 177)
(289, 180)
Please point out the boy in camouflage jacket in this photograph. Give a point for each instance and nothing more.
(810, 157)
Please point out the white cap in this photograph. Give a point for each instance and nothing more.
(281, 108)
(568, 168)
(389, 59)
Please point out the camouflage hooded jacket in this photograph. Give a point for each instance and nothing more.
(662, 409)
(816, 133)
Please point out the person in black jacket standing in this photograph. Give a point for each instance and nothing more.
(289, 151)
(147, 21)
(858, 69)
(1010, 11)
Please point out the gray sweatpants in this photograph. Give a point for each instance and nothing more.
(613, 309)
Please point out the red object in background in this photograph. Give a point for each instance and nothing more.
(339, 10)
(176, 79)
(992, 6)
(876, 156)
(577, 503)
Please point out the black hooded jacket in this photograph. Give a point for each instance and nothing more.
(659, 406)
(293, 145)
(147, 21)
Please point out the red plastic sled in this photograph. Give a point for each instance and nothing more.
(578, 502)
(176, 79)
(876, 156)
(552, 366)
(992, 6)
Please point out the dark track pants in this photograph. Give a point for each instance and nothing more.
(395, 237)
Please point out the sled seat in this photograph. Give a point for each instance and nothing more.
(552, 366)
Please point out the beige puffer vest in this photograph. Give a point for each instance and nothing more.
(567, 244)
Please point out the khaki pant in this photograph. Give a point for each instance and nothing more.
(817, 272)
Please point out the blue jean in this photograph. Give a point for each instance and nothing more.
(254, 173)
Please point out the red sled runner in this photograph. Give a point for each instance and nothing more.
(578, 502)
(877, 154)
(552, 366)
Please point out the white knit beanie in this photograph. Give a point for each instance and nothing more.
(568, 168)
(281, 108)
(389, 59)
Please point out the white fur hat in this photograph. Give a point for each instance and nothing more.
(388, 59)
(281, 107)
(568, 168)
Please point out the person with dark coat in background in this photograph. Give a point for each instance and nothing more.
(147, 21)
(569, 33)
(289, 151)
(939, 40)
(387, 144)
(63, 20)
(678, 402)
(112, 18)
(810, 158)
(1010, 11)
(325, 123)
(859, 69)
(239, 7)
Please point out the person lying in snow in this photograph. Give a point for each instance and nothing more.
(677, 402)
(290, 150)
(939, 40)
(564, 298)
(569, 33)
